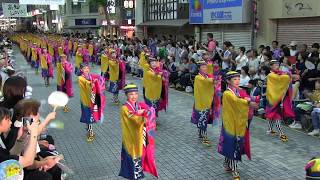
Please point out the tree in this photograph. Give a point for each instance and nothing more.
(103, 7)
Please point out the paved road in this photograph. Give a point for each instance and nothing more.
(179, 154)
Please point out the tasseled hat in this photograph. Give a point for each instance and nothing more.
(130, 88)
(232, 74)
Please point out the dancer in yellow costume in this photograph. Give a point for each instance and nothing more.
(138, 123)
(143, 63)
(116, 76)
(203, 101)
(152, 80)
(64, 78)
(92, 100)
(78, 60)
(104, 64)
(34, 58)
(279, 99)
(46, 66)
(235, 115)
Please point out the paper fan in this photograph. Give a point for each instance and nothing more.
(58, 99)
(309, 65)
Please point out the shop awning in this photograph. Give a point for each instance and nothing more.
(174, 22)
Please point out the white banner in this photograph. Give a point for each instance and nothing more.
(14, 10)
(42, 2)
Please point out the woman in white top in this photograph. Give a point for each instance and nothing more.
(244, 76)
(253, 62)
(241, 59)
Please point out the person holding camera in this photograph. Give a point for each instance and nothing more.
(30, 151)
(26, 112)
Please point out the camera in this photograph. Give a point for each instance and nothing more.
(27, 120)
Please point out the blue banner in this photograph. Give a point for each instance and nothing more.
(215, 11)
(212, 4)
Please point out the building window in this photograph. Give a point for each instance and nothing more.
(93, 8)
(76, 9)
(162, 9)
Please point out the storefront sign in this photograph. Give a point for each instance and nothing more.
(85, 22)
(14, 10)
(42, 2)
(217, 11)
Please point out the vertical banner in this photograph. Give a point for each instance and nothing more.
(196, 12)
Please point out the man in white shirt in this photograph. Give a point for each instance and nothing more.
(293, 48)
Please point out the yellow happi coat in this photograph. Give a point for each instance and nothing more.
(113, 70)
(132, 132)
(203, 92)
(78, 59)
(152, 84)
(144, 65)
(104, 63)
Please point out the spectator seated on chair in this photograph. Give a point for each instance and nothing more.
(172, 68)
(312, 104)
(182, 70)
(186, 77)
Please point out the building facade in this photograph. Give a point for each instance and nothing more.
(289, 20)
(84, 16)
(81, 17)
(163, 17)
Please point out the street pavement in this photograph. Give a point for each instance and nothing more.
(179, 153)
